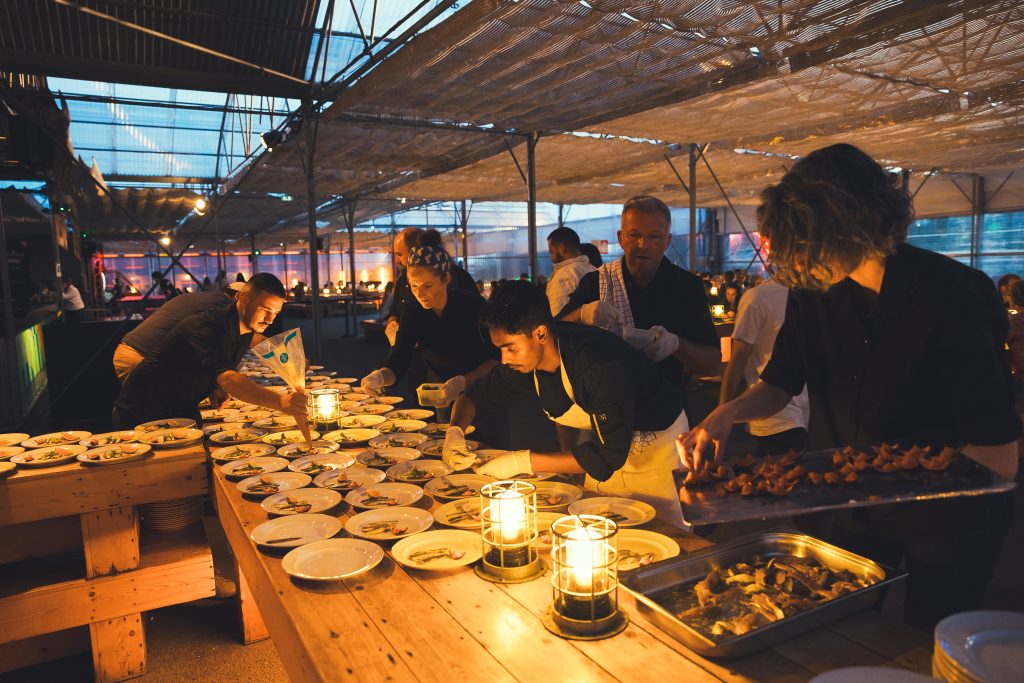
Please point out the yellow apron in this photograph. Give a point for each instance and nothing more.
(647, 473)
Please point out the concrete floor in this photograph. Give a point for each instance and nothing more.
(202, 643)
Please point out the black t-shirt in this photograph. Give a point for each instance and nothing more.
(451, 344)
(185, 369)
(675, 299)
(922, 361)
(152, 332)
(621, 388)
(403, 294)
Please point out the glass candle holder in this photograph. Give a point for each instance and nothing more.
(325, 407)
(508, 526)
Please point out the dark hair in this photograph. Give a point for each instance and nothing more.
(428, 238)
(516, 307)
(409, 236)
(1008, 279)
(833, 209)
(266, 282)
(1017, 295)
(567, 237)
(645, 203)
(591, 251)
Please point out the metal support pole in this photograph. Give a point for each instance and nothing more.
(314, 257)
(977, 217)
(464, 225)
(721, 190)
(5, 281)
(394, 264)
(350, 222)
(255, 257)
(561, 215)
(56, 253)
(531, 199)
(905, 180)
(692, 190)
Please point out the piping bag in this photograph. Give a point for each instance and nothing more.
(283, 353)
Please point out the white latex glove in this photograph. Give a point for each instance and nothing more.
(508, 465)
(391, 331)
(599, 314)
(453, 388)
(455, 453)
(373, 384)
(663, 346)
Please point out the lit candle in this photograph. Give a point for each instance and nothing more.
(713, 291)
(327, 290)
(508, 510)
(295, 281)
(325, 404)
(582, 547)
(364, 275)
(382, 275)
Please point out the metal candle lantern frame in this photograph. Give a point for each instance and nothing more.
(325, 413)
(585, 579)
(508, 529)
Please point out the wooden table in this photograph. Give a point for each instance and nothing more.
(406, 625)
(50, 608)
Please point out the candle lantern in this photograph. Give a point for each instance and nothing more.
(508, 519)
(584, 579)
(718, 310)
(325, 407)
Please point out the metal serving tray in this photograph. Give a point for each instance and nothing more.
(649, 585)
(710, 504)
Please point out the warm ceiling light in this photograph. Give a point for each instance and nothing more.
(165, 240)
(200, 205)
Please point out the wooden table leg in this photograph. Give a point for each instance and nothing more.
(253, 628)
(111, 541)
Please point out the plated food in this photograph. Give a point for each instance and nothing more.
(294, 530)
(356, 396)
(314, 465)
(544, 533)
(456, 486)
(390, 524)
(250, 467)
(299, 450)
(290, 436)
(48, 457)
(384, 495)
(434, 448)
(242, 450)
(556, 495)
(371, 409)
(56, 439)
(248, 416)
(411, 414)
(167, 423)
(108, 438)
(440, 550)
(461, 514)
(275, 423)
(217, 415)
(12, 439)
(301, 501)
(240, 435)
(351, 437)
(418, 470)
(110, 455)
(392, 426)
(438, 430)
(275, 482)
(390, 400)
(172, 438)
(397, 440)
(639, 548)
(349, 478)
(625, 512)
(386, 457)
(332, 559)
(8, 451)
(355, 421)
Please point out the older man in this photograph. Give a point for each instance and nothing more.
(653, 303)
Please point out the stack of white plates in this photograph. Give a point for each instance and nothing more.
(976, 647)
(172, 515)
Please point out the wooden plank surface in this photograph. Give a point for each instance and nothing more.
(254, 629)
(440, 625)
(42, 538)
(44, 493)
(118, 648)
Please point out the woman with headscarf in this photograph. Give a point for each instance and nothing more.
(444, 323)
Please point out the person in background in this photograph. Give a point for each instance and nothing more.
(221, 281)
(299, 289)
(74, 307)
(494, 287)
(894, 344)
(732, 299)
(207, 285)
(645, 290)
(1005, 283)
(480, 287)
(762, 311)
(523, 277)
(148, 336)
(592, 253)
(569, 267)
(240, 278)
(387, 300)
(441, 321)
(1015, 337)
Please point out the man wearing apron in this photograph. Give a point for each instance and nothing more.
(587, 379)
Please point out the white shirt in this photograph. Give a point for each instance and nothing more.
(760, 316)
(563, 281)
(73, 299)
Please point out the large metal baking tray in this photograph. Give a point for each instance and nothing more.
(649, 585)
(710, 504)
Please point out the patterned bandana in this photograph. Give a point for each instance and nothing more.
(435, 258)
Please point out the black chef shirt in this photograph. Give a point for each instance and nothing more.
(452, 343)
(675, 299)
(184, 371)
(152, 332)
(922, 361)
(403, 297)
(621, 388)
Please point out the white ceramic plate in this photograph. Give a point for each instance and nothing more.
(390, 524)
(248, 416)
(411, 414)
(218, 415)
(397, 440)
(983, 645)
(235, 404)
(48, 457)
(167, 423)
(291, 502)
(392, 426)
(553, 495)
(396, 495)
(438, 430)
(450, 548)
(252, 467)
(300, 450)
(332, 559)
(315, 465)
(390, 400)
(276, 482)
(242, 450)
(357, 396)
(109, 439)
(7, 469)
(384, 458)
(418, 471)
(638, 548)
(295, 530)
(290, 436)
(351, 437)
(55, 439)
(114, 454)
(461, 514)
(355, 421)
(230, 436)
(372, 409)
(8, 451)
(467, 486)
(434, 448)
(625, 512)
(275, 423)
(173, 438)
(12, 438)
(346, 380)
(317, 378)
(349, 479)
